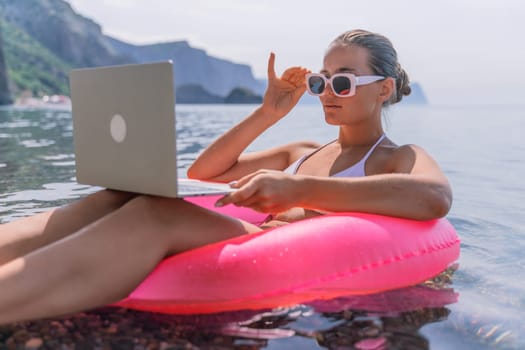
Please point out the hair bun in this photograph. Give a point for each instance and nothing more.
(402, 84)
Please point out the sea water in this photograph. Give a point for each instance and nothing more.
(480, 149)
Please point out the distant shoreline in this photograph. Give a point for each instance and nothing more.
(60, 102)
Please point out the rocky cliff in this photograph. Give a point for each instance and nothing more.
(31, 67)
(70, 36)
(194, 66)
(5, 97)
(55, 39)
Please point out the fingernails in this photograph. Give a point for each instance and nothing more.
(219, 204)
(233, 183)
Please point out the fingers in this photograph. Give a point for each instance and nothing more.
(250, 202)
(239, 196)
(292, 75)
(295, 76)
(245, 193)
(254, 201)
(271, 67)
(246, 178)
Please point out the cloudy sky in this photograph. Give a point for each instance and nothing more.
(461, 51)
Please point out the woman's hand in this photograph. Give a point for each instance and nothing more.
(267, 191)
(283, 93)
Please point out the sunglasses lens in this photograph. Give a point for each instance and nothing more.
(316, 85)
(341, 85)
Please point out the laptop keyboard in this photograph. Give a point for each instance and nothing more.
(189, 188)
(197, 189)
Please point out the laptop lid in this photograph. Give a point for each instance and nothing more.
(124, 131)
(124, 127)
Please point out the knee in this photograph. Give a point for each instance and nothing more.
(159, 210)
(116, 198)
(110, 199)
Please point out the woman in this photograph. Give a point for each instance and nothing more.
(95, 251)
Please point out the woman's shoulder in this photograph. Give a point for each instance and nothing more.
(305, 144)
(407, 151)
(298, 149)
(402, 158)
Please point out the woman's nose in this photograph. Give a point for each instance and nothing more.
(329, 90)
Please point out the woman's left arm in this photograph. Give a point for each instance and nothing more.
(415, 188)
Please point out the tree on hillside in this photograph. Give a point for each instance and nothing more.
(5, 97)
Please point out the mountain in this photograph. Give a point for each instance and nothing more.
(45, 39)
(242, 95)
(193, 93)
(194, 66)
(56, 26)
(5, 97)
(417, 95)
(31, 66)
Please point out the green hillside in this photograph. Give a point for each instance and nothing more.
(32, 67)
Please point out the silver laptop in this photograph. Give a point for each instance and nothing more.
(124, 131)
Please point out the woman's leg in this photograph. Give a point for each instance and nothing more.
(22, 236)
(103, 262)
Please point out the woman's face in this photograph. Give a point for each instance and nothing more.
(365, 104)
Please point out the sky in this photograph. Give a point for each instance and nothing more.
(460, 51)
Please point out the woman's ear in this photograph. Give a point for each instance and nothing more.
(388, 87)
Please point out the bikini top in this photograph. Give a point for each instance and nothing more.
(356, 170)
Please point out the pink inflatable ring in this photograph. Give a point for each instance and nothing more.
(319, 258)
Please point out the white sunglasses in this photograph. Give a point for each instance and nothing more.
(343, 84)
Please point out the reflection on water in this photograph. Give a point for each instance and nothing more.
(357, 322)
(481, 309)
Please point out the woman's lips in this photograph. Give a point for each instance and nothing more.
(331, 106)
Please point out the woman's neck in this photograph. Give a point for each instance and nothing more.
(356, 136)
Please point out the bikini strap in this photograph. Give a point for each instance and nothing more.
(295, 165)
(292, 168)
(373, 148)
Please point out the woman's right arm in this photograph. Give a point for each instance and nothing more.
(223, 160)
